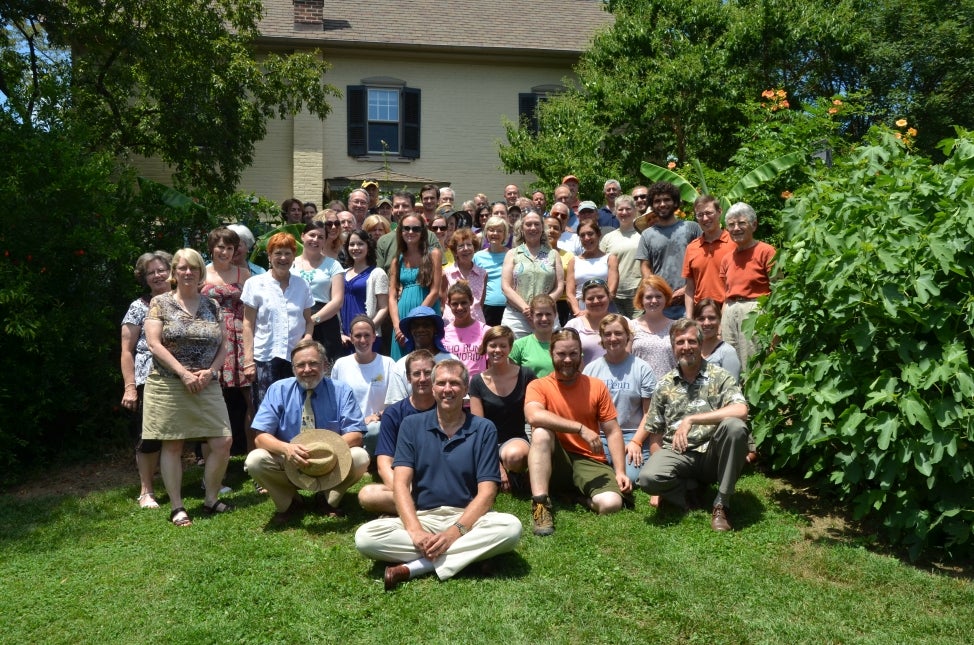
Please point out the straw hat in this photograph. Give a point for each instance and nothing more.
(329, 461)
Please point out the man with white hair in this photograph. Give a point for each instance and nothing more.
(747, 273)
(447, 196)
(358, 205)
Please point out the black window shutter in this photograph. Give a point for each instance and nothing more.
(527, 104)
(410, 122)
(356, 97)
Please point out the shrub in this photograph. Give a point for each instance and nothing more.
(868, 385)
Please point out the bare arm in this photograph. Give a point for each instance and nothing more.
(613, 436)
(559, 277)
(645, 269)
(688, 296)
(394, 295)
(334, 305)
(613, 280)
(436, 257)
(130, 337)
(383, 463)
(708, 418)
(570, 287)
(249, 324)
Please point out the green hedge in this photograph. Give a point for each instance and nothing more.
(868, 386)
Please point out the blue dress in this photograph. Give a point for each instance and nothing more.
(354, 303)
(411, 295)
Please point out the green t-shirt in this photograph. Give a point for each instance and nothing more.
(531, 353)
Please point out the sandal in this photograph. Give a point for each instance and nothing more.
(146, 500)
(217, 508)
(260, 490)
(180, 517)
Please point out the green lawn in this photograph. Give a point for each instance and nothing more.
(96, 569)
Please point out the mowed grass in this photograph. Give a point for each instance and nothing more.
(97, 569)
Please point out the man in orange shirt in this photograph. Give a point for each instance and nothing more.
(747, 274)
(568, 412)
(701, 262)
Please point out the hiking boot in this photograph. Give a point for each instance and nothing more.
(718, 520)
(544, 521)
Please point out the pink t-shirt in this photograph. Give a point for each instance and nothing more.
(464, 343)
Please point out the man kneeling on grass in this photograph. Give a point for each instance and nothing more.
(292, 453)
(569, 412)
(445, 479)
(696, 429)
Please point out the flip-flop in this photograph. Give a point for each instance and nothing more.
(146, 500)
(179, 517)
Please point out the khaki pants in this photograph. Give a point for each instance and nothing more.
(268, 470)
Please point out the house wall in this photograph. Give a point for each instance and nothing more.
(463, 102)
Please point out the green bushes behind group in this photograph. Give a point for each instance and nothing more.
(867, 387)
(72, 226)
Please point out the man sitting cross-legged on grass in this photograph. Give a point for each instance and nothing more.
(292, 452)
(378, 497)
(695, 426)
(445, 481)
(566, 410)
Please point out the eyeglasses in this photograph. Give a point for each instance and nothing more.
(412, 229)
(438, 227)
(332, 224)
(646, 196)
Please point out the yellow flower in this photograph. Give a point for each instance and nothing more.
(901, 123)
(899, 135)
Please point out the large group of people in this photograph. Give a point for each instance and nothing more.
(460, 351)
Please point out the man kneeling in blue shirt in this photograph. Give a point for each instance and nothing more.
(445, 480)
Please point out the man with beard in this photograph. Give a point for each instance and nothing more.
(696, 429)
(308, 437)
(663, 245)
(569, 412)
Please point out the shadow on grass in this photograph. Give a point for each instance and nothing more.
(832, 524)
(747, 510)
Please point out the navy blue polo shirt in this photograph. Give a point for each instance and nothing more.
(446, 471)
(389, 424)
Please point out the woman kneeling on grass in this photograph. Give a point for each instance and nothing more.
(183, 399)
(497, 394)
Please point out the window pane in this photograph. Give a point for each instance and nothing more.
(379, 132)
(384, 105)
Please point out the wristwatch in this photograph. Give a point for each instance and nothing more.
(460, 527)
(216, 375)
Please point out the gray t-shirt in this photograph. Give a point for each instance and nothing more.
(664, 247)
(629, 382)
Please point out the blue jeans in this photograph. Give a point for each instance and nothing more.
(632, 470)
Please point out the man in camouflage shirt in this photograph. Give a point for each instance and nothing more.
(696, 429)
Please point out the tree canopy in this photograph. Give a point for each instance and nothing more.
(177, 79)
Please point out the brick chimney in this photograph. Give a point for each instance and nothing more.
(309, 12)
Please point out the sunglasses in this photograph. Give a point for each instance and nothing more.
(333, 224)
(412, 229)
(594, 282)
(640, 196)
(438, 227)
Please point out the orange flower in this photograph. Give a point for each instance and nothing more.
(784, 105)
(899, 135)
(912, 132)
(781, 94)
(786, 194)
(671, 165)
(836, 102)
(901, 123)
(768, 94)
(833, 110)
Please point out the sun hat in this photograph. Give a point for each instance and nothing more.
(329, 461)
(422, 313)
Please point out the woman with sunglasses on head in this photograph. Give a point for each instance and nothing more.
(595, 295)
(652, 330)
(414, 276)
(592, 263)
(326, 278)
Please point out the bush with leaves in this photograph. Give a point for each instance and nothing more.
(867, 385)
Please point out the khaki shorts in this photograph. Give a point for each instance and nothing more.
(591, 477)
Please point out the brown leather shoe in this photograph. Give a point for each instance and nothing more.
(291, 513)
(719, 521)
(395, 575)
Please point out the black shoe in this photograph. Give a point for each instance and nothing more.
(293, 512)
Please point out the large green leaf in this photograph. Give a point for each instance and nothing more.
(762, 174)
(688, 192)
